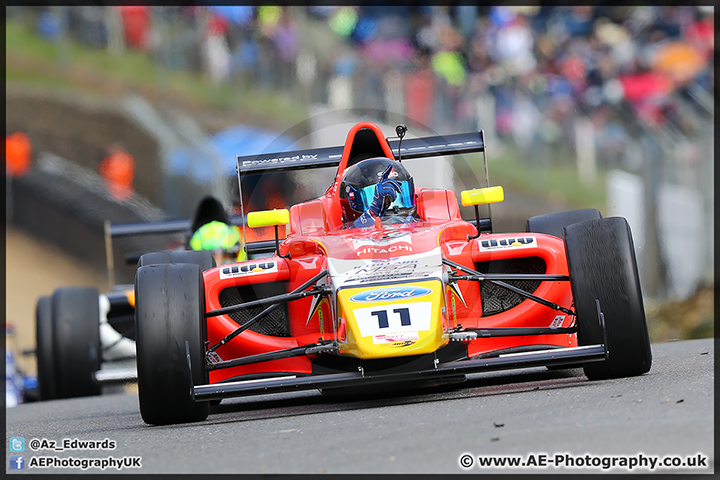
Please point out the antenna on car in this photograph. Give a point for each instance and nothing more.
(401, 130)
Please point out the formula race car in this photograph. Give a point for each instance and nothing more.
(418, 296)
(85, 339)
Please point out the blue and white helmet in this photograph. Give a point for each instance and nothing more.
(357, 188)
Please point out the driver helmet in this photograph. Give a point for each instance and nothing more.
(221, 239)
(357, 188)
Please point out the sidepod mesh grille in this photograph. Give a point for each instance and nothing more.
(275, 323)
(497, 299)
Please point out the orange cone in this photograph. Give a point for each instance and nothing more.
(18, 154)
(118, 170)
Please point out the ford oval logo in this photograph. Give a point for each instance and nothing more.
(390, 293)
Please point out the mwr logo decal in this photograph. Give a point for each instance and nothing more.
(500, 243)
(248, 268)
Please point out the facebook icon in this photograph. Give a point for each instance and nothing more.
(17, 462)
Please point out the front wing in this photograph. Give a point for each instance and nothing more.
(551, 357)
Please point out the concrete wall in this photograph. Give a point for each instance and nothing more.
(80, 128)
(683, 236)
(62, 207)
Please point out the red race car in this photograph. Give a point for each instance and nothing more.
(381, 284)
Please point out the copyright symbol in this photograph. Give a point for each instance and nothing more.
(34, 444)
(466, 461)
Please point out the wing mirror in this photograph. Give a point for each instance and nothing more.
(270, 218)
(482, 196)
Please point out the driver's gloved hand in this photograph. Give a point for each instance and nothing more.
(365, 220)
(385, 193)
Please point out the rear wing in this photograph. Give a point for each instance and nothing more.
(159, 228)
(144, 228)
(330, 156)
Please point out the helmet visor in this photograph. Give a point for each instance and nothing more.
(404, 199)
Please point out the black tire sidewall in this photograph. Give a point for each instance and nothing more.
(44, 353)
(75, 317)
(602, 265)
(170, 310)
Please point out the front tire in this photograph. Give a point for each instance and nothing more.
(602, 265)
(170, 311)
(76, 341)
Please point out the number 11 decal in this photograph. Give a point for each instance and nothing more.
(382, 317)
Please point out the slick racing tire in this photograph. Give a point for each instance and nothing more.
(553, 223)
(170, 311)
(602, 265)
(44, 355)
(76, 350)
(204, 260)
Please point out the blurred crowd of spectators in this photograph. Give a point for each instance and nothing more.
(598, 86)
(542, 66)
(536, 67)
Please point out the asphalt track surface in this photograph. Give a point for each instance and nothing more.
(669, 411)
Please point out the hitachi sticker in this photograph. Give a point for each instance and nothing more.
(397, 249)
(240, 270)
(504, 243)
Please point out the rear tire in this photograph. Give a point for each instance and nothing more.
(203, 259)
(169, 311)
(44, 354)
(553, 223)
(602, 265)
(75, 316)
